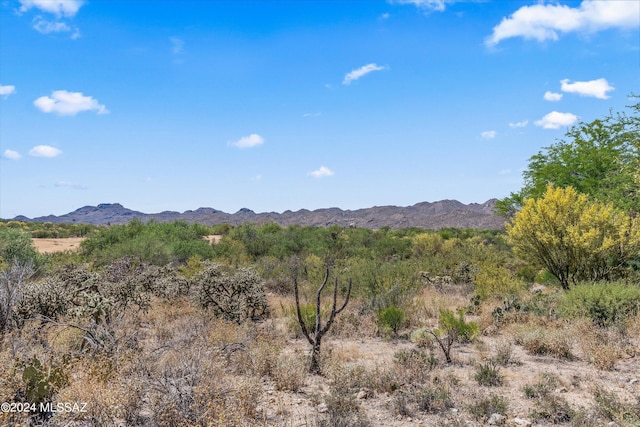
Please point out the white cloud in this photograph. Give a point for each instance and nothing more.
(546, 21)
(252, 140)
(521, 124)
(67, 8)
(552, 96)
(556, 120)
(311, 114)
(44, 151)
(11, 154)
(46, 27)
(504, 172)
(437, 5)
(177, 45)
(488, 134)
(7, 90)
(360, 72)
(322, 172)
(66, 103)
(596, 88)
(67, 184)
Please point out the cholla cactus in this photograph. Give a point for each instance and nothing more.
(12, 280)
(232, 297)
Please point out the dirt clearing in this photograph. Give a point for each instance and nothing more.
(47, 246)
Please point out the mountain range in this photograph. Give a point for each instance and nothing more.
(436, 215)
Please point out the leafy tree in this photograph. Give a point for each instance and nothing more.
(573, 237)
(600, 158)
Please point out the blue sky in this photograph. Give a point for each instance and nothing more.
(277, 105)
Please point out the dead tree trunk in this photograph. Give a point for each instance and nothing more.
(315, 337)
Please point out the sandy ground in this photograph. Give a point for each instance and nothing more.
(47, 246)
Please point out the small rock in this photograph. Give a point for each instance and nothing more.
(496, 419)
(612, 424)
(322, 408)
(362, 394)
(538, 288)
(521, 422)
(633, 381)
(562, 390)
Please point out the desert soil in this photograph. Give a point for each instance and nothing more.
(47, 246)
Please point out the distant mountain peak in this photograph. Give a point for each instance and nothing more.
(434, 215)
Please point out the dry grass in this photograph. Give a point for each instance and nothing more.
(601, 347)
(544, 341)
(186, 368)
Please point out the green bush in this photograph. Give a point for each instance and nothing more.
(605, 304)
(151, 243)
(464, 331)
(391, 318)
(496, 281)
(17, 246)
(488, 374)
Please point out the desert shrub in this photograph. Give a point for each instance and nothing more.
(488, 374)
(355, 322)
(553, 409)
(548, 406)
(433, 399)
(234, 297)
(453, 329)
(546, 278)
(430, 398)
(465, 272)
(343, 410)
(605, 304)
(289, 373)
(496, 281)
(191, 267)
(110, 387)
(613, 408)
(152, 243)
(503, 355)
(421, 338)
(602, 347)
(545, 385)
(464, 331)
(391, 319)
(16, 245)
(427, 244)
(350, 378)
(544, 342)
(413, 366)
(264, 357)
(486, 406)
